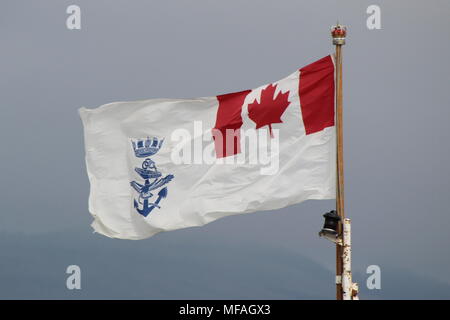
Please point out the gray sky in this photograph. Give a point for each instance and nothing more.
(397, 107)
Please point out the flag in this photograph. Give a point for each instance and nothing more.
(165, 164)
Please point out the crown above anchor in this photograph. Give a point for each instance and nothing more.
(146, 147)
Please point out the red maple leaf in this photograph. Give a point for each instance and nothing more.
(270, 109)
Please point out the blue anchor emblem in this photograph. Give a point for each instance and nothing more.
(151, 175)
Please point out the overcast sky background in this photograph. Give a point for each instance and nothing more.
(397, 154)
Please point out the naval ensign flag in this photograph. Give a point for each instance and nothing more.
(164, 164)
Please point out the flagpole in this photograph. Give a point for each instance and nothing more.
(338, 33)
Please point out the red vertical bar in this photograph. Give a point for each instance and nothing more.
(316, 91)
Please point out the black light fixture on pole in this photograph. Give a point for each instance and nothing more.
(330, 227)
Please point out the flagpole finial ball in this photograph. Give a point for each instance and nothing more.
(338, 32)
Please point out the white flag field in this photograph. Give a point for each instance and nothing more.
(164, 164)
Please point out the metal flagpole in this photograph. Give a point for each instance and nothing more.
(337, 228)
(338, 33)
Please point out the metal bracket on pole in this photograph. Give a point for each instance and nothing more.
(355, 291)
